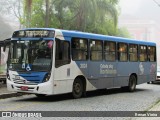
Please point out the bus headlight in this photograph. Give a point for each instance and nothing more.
(47, 77)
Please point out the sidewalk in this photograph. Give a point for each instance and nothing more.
(4, 93)
(155, 108)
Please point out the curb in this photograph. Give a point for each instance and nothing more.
(9, 95)
(4, 93)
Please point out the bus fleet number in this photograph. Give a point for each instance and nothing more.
(83, 65)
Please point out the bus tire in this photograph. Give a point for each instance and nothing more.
(151, 82)
(77, 90)
(132, 83)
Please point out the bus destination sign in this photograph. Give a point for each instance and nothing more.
(33, 33)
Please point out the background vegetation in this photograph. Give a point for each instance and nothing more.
(95, 16)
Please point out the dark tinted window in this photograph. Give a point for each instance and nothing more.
(110, 51)
(62, 53)
(151, 54)
(133, 52)
(142, 53)
(96, 50)
(79, 49)
(122, 52)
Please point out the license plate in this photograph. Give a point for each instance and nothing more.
(24, 88)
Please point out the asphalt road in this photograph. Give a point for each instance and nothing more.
(145, 97)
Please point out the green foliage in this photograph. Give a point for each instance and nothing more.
(37, 15)
(123, 32)
(97, 16)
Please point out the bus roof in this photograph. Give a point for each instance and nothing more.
(104, 37)
(79, 34)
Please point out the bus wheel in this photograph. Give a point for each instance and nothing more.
(77, 89)
(132, 83)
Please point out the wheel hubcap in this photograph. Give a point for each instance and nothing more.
(77, 88)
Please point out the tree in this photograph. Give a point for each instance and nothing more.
(27, 12)
(87, 15)
(106, 17)
(123, 32)
(98, 16)
(47, 14)
(12, 9)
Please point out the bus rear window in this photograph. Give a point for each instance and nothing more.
(151, 53)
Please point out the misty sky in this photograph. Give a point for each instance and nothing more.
(143, 9)
(6, 30)
(127, 6)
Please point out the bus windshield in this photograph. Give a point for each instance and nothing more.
(33, 55)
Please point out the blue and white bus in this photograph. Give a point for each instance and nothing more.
(47, 61)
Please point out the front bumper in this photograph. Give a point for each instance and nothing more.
(42, 88)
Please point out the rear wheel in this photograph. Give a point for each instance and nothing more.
(77, 90)
(132, 83)
(151, 82)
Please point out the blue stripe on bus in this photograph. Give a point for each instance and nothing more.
(36, 77)
(104, 37)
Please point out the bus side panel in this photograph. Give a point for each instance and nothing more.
(102, 74)
(65, 76)
(63, 79)
(83, 68)
(124, 70)
(147, 72)
(153, 71)
(101, 83)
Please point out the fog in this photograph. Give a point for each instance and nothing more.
(6, 30)
(142, 9)
(142, 16)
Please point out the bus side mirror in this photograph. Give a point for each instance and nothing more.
(6, 43)
(4, 47)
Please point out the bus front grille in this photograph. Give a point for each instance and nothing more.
(21, 81)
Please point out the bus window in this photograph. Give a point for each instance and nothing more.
(133, 53)
(79, 49)
(110, 51)
(62, 53)
(151, 54)
(143, 53)
(122, 52)
(96, 50)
